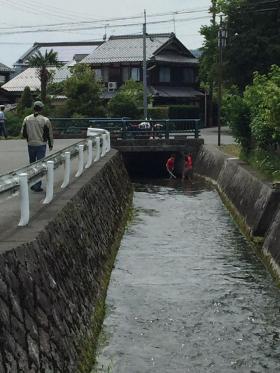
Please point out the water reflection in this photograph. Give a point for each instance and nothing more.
(188, 293)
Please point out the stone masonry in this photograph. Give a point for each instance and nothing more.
(50, 283)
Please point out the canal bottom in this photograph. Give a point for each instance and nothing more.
(188, 293)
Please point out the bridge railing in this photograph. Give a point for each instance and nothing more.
(124, 128)
(18, 181)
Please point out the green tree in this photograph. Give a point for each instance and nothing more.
(253, 41)
(236, 114)
(83, 93)
(26, 100)
(43, 62)
(127, 101)
(263, 99)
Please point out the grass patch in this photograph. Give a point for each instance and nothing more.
(268, 164)
(232, 149)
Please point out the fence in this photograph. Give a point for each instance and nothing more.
(124, 128)
(19, 180)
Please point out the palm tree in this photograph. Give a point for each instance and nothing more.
(42, 62)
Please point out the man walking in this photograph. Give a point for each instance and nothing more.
(37, 130)
(3, 131)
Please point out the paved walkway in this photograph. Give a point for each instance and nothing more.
(210, 136)
(13, 153)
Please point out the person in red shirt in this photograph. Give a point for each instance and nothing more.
(170, 166)
(188, 167)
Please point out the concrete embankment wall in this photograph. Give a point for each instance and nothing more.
(53, 273)
(255, 201)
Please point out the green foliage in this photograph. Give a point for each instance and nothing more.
(160, 112)
(208, 58)
(266, 162)
(127, 100)
(56, 88)
(83, 93)
(14, 121)
(25, 101)
(236, 115)
(252, 43)
(263, 99)
(183, 112)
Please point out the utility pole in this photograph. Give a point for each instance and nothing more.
(211, 83)
(222, 36)
(145, 95)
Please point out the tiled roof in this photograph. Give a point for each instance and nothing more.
(65, 50)
(4, 68)
(171, 58)
(126, 48)
(29, 77)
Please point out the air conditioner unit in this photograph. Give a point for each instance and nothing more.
(112, 86)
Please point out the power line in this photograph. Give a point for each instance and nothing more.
(178, 12)
(56, 9)
(101, 27)
(26, 7)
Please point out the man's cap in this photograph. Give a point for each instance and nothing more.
(38, 104)
(2, 106)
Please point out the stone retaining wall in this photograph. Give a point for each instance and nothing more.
(256, 201)
(50, 283)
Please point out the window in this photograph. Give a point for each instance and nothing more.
(106, 74)
(125, 74)
(135, 74)
(2, 79)
(188, 75)
(164, 75)
(98, 74)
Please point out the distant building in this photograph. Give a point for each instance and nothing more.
(66, 52)
(172, 70)
(5, 74)
(29, 78)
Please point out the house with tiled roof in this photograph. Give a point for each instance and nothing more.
(66, 52)
(5, 73)
(172, 70)
(30, 78)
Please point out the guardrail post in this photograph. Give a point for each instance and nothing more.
(104, 144)
(108, 141)
(67, 170)
(167, 130)
(196, 130)
(90, 155)
(24, 200)
(81, 161)
(50, 182)
(97, 141)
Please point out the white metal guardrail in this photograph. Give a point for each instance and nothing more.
(18, 181)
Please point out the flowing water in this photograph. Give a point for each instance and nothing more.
(188, 293)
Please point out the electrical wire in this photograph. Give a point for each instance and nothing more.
(101, 27)
(178, 12)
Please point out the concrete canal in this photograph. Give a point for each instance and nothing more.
(188, 293)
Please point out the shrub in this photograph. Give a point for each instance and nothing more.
(160, 112)
(236, 114)
(184, 112)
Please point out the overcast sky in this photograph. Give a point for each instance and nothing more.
(15, 14)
